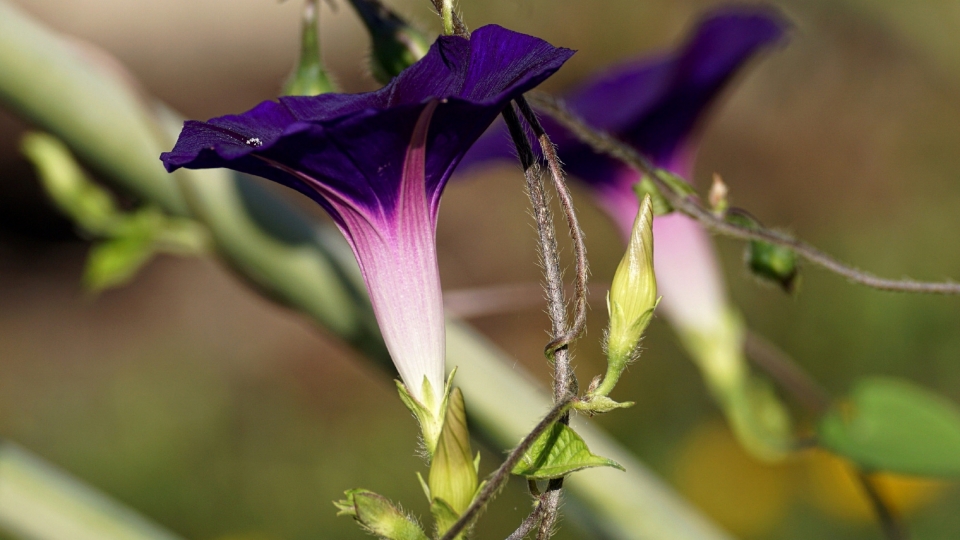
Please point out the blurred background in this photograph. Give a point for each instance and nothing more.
(225, 417)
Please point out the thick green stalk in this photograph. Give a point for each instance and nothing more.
(87, 102)
(41, 503)
(83, 96)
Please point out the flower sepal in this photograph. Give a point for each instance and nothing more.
(430, 412)
(378, 516)
(661, 206)
(646, 188)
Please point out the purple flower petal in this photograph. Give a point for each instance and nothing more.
(378, 162)
(656, 104)
(353, 142)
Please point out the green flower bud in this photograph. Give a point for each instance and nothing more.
(453, 473)
(769, 262)
(632, 297)
(310, 77)
(379, 516)
(396, 43)
(774, 263)
(453, 480)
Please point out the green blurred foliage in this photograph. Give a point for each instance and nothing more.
(889, 424)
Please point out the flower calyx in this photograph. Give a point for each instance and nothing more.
(430, 411)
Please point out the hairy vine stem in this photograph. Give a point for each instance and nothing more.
(528, 524)
(445, 10)
(690, 206)
(576, 233)
(564, 381)
(499, 477)
(549, 257)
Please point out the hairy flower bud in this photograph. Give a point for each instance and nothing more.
(632, 297)
(379, 516)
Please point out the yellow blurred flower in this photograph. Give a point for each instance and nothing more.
(742, 494)
(834, 488)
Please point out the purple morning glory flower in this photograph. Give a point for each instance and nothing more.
(657, 105)
(378, 162)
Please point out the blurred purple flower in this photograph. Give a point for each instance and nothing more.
(378, 162)
(657, 104)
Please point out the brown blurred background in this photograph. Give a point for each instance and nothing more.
(223, 416)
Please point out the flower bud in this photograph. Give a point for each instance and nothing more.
(310, 77)
(379, 516)
(632, 297)
(453, 479)
(770, 262)
(396, 43)
(774, 263)
(718, 195)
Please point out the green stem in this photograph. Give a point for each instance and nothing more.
(446, 13)
(610, 378)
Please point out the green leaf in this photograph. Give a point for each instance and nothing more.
(558, 452)
(893, 425)
(132, 238)
(379, 516)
